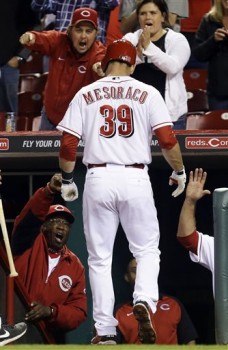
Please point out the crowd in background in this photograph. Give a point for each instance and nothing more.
(192, 34)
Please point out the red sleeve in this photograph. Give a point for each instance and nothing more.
(46, 41)
(68, 147)
(190, 242)
(166, 137)
(38, 204)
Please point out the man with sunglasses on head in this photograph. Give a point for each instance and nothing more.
(53, 276)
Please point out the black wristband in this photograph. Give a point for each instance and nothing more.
(67, 176)
(181, 172)
(67, 182)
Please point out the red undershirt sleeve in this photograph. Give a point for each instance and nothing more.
(68, 147)
(166, 137)
(190, 242)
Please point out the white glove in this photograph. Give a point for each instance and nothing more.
(69, 192)
(179, 179)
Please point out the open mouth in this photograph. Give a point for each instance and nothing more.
(82, 44)
(59, 237)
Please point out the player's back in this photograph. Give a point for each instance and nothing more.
(117, 115)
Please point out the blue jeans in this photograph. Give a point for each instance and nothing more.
(217, 103)
(180, 124)
(9, 86)
(45, 124)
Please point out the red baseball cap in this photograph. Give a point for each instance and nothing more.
(59, 210)
(84, 14)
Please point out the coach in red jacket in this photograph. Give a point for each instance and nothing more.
(52, 275)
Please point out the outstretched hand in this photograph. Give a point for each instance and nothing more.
(195, 188)
(179, 180)
(56, 183)
(98, 69)
(27, 38)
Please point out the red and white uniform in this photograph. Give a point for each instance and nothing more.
(115, 117)
(204, 246)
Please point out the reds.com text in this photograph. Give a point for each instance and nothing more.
(198, 142)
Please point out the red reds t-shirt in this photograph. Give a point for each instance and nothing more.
(169, 316)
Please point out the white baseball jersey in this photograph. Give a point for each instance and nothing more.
(205, 253)
(115, 117)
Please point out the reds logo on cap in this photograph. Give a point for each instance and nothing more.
(60, 210)
(84, 14)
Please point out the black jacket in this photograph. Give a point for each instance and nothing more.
(215, 53)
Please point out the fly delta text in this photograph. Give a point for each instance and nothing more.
(41, 144)
(44, 144)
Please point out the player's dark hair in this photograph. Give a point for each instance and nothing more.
(161, 4)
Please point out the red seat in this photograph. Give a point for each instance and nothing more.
(33, 64)
(29, 103)
(23, 123)
(195, 78)
(213, 120)
(197, 101)
(2, 121)
(33, 82)
(36, 123)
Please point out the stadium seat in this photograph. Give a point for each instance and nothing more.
(2, 121)
(212, 120)
(197, 101)
(29, 104)
(36, 123)
(195, 78)
(23, 124)
(33, 82)
(33, 64)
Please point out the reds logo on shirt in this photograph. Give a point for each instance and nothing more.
(82, 69)
(164, 307)
(65, 283)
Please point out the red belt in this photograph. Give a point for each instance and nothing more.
(136, 165)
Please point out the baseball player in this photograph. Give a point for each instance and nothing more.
(116, 118)
(200, 246)
(172, 322)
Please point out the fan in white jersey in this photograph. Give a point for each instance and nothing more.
(200, 246)
(116, 118)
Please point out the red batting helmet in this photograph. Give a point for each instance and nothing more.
(119, 50)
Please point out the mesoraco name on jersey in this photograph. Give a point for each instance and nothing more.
(106, 113)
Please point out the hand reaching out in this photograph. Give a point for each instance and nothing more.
(195, 188)
(56, 183)
(28, 38)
